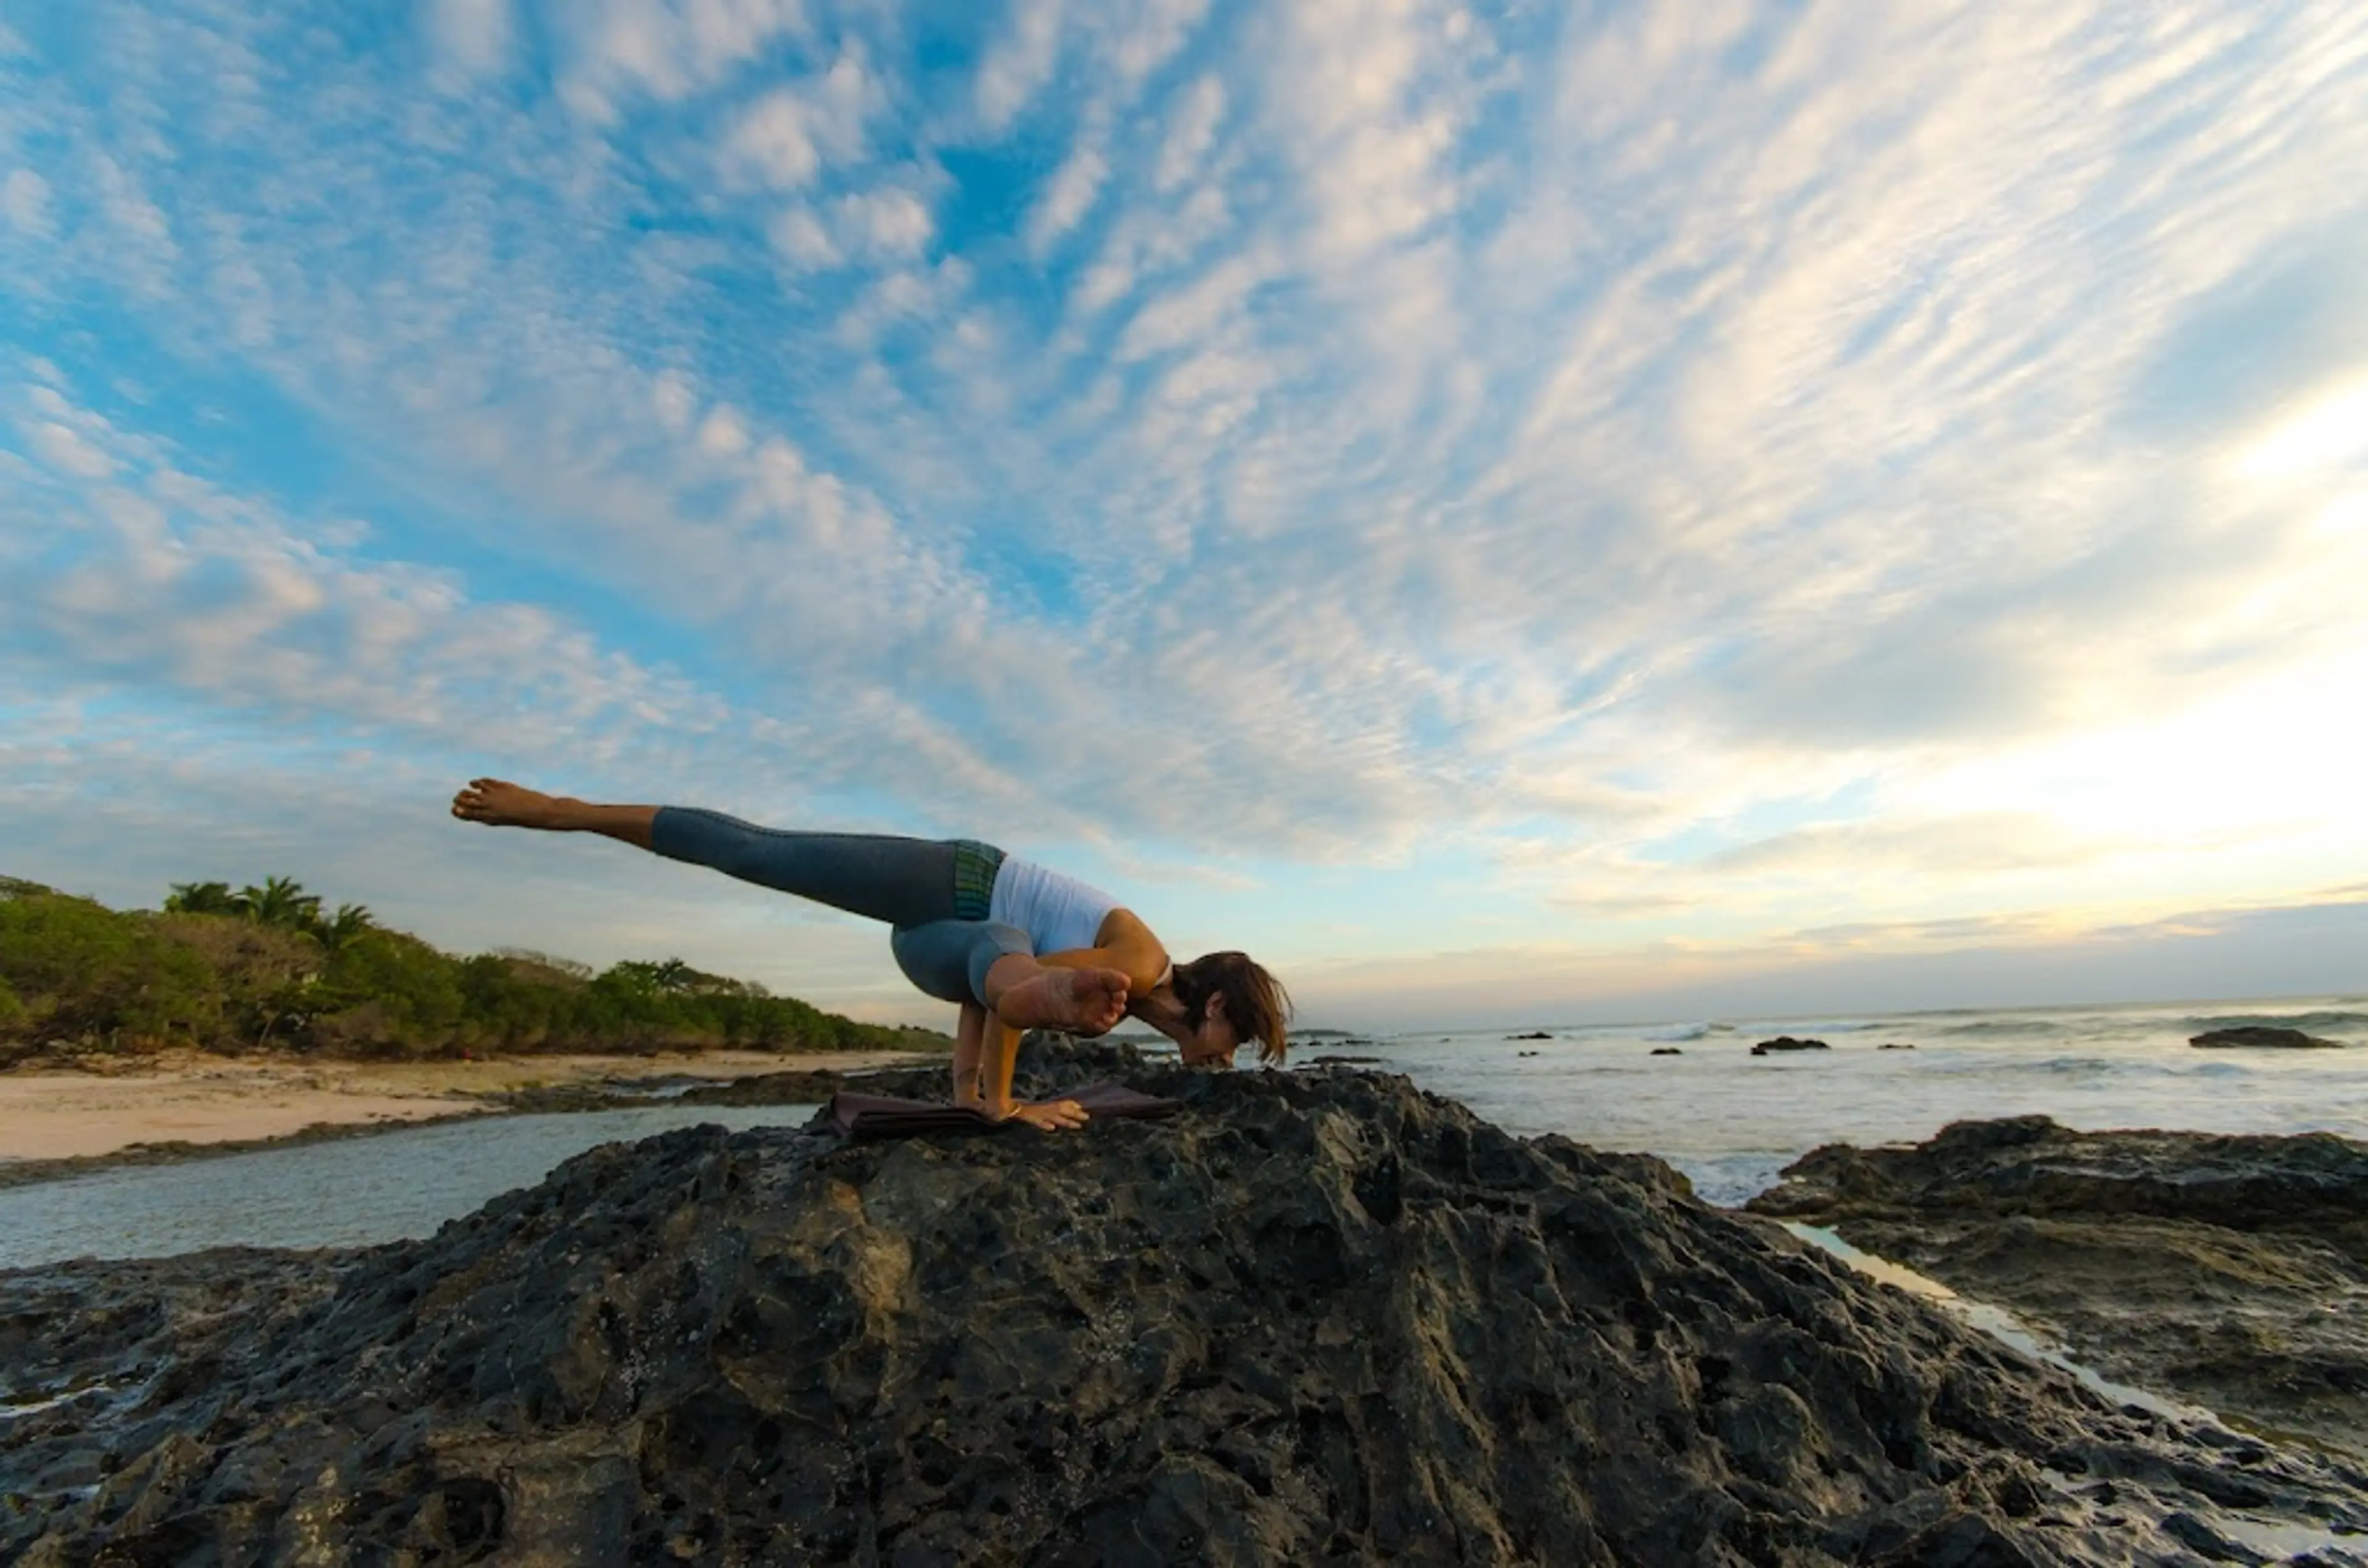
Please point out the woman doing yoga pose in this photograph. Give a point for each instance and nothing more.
(1015, 946)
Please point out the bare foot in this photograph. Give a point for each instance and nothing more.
(1082, 1001)
(499, 804)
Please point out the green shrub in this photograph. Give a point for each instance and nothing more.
(87, 975)
(263, 969)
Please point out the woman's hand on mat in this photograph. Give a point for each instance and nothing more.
(1058, 1116)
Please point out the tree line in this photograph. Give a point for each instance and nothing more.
(266, 967)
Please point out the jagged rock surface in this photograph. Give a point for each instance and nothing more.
(2230, 1270)
(1313, 1318)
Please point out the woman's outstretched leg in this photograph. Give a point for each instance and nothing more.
(904, 882)
(908, 882)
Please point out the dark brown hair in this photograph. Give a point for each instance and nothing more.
(1255, 1002)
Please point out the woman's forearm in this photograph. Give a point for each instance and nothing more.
(970, 1040)
(999, 1055)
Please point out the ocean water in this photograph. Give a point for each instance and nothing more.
(1730, 1120)
(358, 1191)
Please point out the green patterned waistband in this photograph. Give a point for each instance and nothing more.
(975, 865)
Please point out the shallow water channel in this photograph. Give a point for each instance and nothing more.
(358, 1191)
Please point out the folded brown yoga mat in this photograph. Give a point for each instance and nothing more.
(867, 1117)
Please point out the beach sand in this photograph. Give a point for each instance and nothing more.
(203, 1099)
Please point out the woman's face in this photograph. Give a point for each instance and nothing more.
(1212, 1041)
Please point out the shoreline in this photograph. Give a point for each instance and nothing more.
(190, 1107)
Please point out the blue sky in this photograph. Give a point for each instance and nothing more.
(1522, 512)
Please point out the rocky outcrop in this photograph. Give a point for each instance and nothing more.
(2261, 1037)
(2230, 1270)
(1786, 1043)
(1313, 1318)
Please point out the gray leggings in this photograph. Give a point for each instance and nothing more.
(933, 893)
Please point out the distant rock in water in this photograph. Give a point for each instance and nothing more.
(2261, 1037)
(1894, 1045)
(1786, 1043)
(2230, 1270)
(1534, 1034)
(1315, 1318)
(1666, 1050)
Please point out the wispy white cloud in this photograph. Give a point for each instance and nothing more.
(473, 37)
(25, 202)
(617, 51)
(1020, 62)
(1191, 133)
(134, 569)
(1991, 841)
(1072, 191)
(783, 138)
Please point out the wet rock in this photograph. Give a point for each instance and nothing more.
(1533, 1034)
(1317, 1318)
(1894, 1045)
(2230, 1271)
(2261, 1037)
(1666, 1050)
(1786, 1043)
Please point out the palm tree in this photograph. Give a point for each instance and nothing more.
(280, 900)
(203, 898)
(350, 920)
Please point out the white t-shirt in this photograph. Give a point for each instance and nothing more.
(1059, 913)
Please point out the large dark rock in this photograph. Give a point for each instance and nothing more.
(2230, 1270)
(2261, 1037)
(1315, 1318)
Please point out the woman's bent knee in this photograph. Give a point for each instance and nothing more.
(948, 959)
